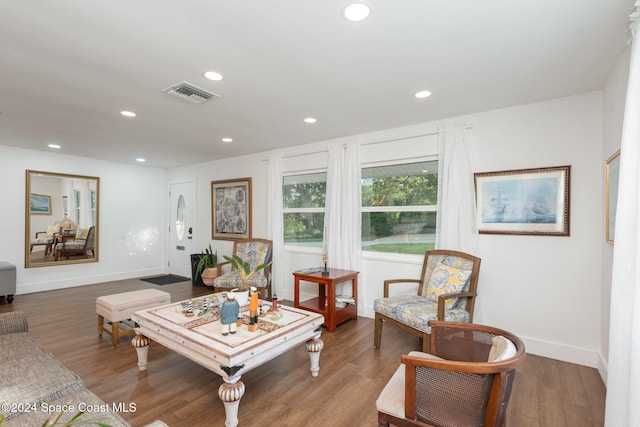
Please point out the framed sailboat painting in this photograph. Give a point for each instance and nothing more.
(524, 201)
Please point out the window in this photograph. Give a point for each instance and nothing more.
(303, 208)
(399, 207)
(78, 199)
(92, 194)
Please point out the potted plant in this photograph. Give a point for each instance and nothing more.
(207, 267)
(244, 271)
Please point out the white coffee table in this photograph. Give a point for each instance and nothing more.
(200, 339)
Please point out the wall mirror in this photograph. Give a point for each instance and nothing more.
(61, 219)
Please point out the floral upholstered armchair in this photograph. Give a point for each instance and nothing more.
(256, 252)
(446, 291)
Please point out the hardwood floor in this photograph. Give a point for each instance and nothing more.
(547, 393)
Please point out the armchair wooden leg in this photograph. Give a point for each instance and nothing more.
(383, 421)
(426, 343)
(377, 334)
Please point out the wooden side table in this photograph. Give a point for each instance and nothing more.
(325, 303)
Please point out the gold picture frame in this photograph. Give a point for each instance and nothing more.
(231, 209)
(612, 175)
(532, 201)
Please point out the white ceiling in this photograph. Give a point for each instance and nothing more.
(68, 67)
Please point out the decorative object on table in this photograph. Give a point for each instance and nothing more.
(231, 209)
(526, 201)
(207, 267)
(241, 295)
(189, 311)
(253, 310)
(204, 307)
(612, 178)
(229, 311)
(275, 311)
(325, 255)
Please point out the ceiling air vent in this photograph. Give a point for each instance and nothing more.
(189, 92)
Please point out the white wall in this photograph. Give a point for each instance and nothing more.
(132, 220)
(203, 173)
(545, 289)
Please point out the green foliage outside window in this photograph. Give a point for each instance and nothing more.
(398, 203)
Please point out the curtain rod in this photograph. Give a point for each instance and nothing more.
(372, 143)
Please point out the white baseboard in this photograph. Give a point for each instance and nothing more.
(50, 285)
(552, 350)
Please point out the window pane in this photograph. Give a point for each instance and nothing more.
(304, 228)
(410, 184)
(304, 191)
(400, 232)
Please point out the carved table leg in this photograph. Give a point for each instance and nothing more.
(141, 344)
(314, 347)
(230, 393)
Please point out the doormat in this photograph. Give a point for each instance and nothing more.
(165, 279)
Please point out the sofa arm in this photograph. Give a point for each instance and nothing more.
(12, 322)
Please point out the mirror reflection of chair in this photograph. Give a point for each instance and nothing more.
(446, 291)
(255, 252)
(467, 381)
(81, 243)
(42, 239)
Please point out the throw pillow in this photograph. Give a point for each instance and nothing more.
(82, 234)
(502, 349)
(445, 280)
(52, 229)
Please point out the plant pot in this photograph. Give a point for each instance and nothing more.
(209, 275)
(241, 296)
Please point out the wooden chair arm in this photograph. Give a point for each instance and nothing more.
(39, 233)
(442, 300)
(220, 265)
(392, 281)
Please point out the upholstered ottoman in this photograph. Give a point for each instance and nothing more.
(118, 307)
(7, 280)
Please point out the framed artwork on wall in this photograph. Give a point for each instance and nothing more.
(611, 197)
(39, 204)
(524, 201)
(231, 209)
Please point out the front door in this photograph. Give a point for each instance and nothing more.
(182, 220)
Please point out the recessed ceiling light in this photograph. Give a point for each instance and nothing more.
(127, 113)
(53, 146)
(422, 94)
(310, 120)
(140, 160)
(213, 75)
(227, 140)
(357, 12)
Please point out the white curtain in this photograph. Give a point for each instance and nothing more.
(275, 221)
(623, 377)
(456, 227)
(342, 206)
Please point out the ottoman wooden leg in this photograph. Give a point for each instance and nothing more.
(100, 323)
(115, 330)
